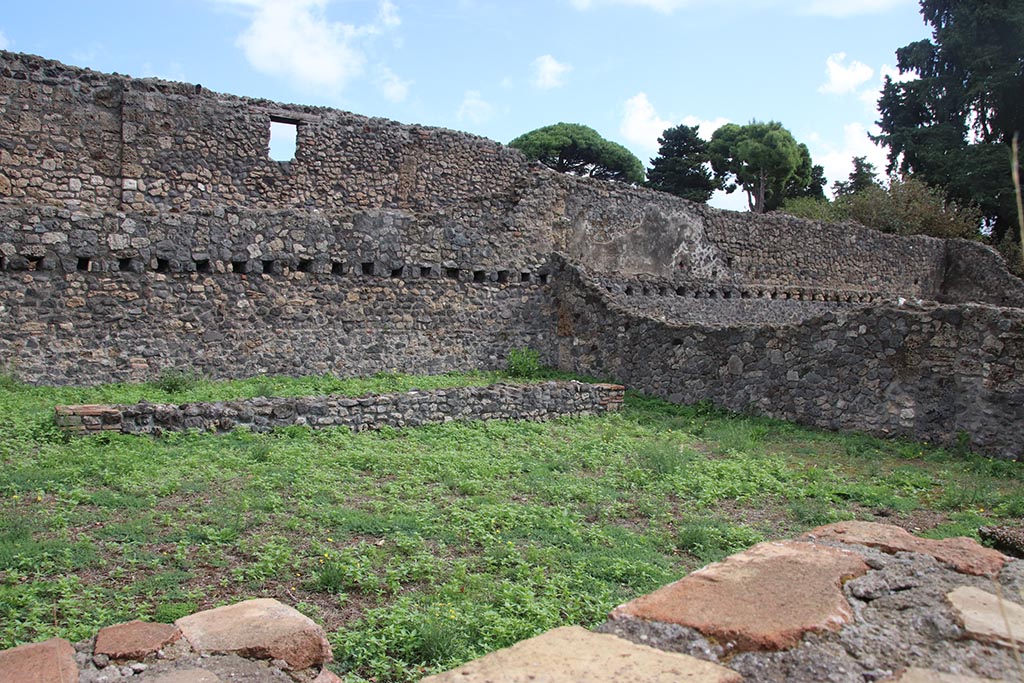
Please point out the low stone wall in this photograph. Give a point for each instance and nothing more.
(496, 402)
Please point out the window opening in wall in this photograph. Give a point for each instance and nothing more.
(479, 276)
(84, 263)
(163, 265)
(398, 272)
(283, 136)
(524, 277)
(124, 264)
(662, 291)
(337, 268)
(543, 278)
(680, 291)
(451, 273)
(269, 267)
(240, 267)
(3, 263)
(425, 271)
(502, 276)
(203, 265)
(305, 265)
(35, 262)
(646, 290)
(367, 268)
(629, 291)
(727, 294)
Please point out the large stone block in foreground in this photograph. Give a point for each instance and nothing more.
(572, 654)
(963, 554)
(258, 629)
(766, 598)
(52, 661)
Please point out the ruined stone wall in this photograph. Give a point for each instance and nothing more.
(143, 225)
(924, 371)
(85, 329)
(112, 142)
(87, 141)
(537, 402)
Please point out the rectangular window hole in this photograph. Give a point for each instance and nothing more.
(543, 278)
(680, 291)
(305, 265)
(35, 262)
(283, 138)
(426, 271)
(163, 265)
(398, 272)
(270, 267)
(451, 273)
(524, 277)
(367, 268)
(629, 291)
(3, 263)
(240, 267)
(727, 294)
(479, 276)
(337, 268)
(662, 291)
(502, 276)
(84, 263)
(646, 291)
(203, 265)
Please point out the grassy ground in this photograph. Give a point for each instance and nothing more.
(419, 549)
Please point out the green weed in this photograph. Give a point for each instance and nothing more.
(446, 541)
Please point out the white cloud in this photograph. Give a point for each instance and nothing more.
(474, 108)
(4, 43)
(295, 39)
(388, 14)
(390, 85)
(642, 125)
(844, 78)
(549, 73)
(838, 160)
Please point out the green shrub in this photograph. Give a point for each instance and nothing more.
(176, 380)
(523, 363)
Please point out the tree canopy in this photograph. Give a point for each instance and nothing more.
(862, 177)
(765, 161)
(951, 125)
(682, 166)
(580, 150)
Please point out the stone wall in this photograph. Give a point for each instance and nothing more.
(143, 225)
(538, 402)
(927, 371)
(95, 142)
(80, 328)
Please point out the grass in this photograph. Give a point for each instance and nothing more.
(419, 549)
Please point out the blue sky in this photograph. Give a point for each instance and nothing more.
(628, 68)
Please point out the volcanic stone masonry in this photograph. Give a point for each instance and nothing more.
(144, 226)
